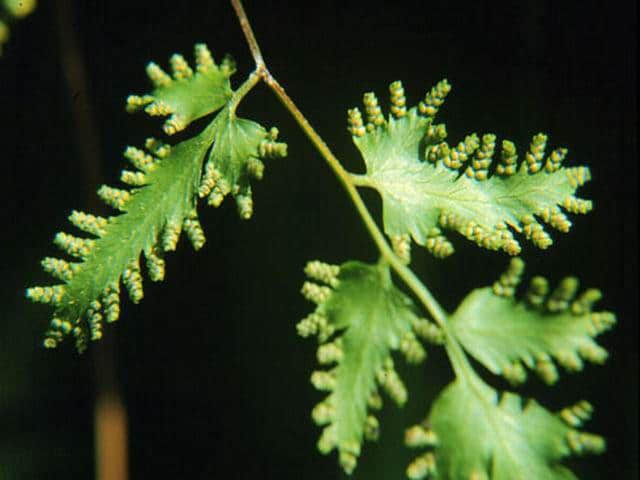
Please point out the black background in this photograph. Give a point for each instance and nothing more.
(211, 370)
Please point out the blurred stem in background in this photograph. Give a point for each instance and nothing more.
(110, 418)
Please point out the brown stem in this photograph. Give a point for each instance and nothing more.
(248, 33)
(110, 416)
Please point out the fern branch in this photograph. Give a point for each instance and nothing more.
(344, 177)
(360, 318)
(154, 215)
(167, 182)
(517, 442)
(516, 199)
(457, 356)
(504, 334)
(427, 186)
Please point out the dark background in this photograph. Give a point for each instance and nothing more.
(209, 365)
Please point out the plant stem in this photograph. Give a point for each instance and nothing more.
(349, 181)
(360, 180)
(248, 33)
(242, 90)
(334, 164)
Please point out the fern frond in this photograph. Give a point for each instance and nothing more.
(185, 95)
(166, 184)
(235, 159)
(497, 439)
(427, 185)
(360, 318)
(503, 334)
(151, 212)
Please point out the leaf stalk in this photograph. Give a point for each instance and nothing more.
(349, 181)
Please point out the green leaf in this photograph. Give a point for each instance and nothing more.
(235, 159)
(371, 317)
(167, 182)
(186, 96)
(427, 186)
(497, 440)
(503, 333)
(154, 216)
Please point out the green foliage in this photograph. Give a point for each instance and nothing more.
(370, 317)
(235, 160)
(517, 442)
(186, 96)
(501, 333)
(427, 186)
(166, 184)
(499, 440)
(361, 317)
